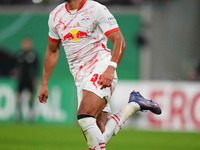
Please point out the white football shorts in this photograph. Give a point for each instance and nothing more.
(91, 83)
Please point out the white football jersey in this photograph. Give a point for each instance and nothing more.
(83, 34)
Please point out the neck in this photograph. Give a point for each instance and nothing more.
(74, 4)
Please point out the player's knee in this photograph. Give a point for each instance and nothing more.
(86, 111)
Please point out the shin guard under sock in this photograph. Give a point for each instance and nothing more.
(94, 137)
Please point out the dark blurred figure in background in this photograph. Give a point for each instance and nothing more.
(7, 63)
(15, 2)
(27, 72)
(195, 73)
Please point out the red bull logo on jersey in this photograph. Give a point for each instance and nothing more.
(75, 35)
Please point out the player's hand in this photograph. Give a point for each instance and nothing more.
(107, 77)
(43, 94)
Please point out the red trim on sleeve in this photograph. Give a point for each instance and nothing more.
(112, 30)
(54, 40)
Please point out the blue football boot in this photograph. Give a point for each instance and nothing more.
(145, 104)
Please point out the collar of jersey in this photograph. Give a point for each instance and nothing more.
(82, 4)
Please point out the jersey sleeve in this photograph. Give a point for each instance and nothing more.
(106, 20)
(53, 35)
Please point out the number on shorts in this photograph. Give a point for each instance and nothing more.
(96, 79)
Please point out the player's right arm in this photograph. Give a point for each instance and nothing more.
(50, 61)
(51, 57)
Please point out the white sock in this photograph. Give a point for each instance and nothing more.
(95, 139)
(116, 121)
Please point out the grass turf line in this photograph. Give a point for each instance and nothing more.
(57, 137)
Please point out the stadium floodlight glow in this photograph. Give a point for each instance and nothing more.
(37, 1)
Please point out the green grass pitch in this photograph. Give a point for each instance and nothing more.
(57, 137)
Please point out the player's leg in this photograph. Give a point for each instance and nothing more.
(101, 120)
(109, 126)
(136, 103)
(91, 104)
(115, 121)
(90, 107)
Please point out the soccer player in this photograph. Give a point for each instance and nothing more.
(83, 27)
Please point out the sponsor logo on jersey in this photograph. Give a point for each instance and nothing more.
(111, 18)
(112, 21)
(75, 35)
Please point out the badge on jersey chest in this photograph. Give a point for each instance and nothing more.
(85, 19)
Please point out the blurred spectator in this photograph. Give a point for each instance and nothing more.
(27, 69)
(6, 63)
(11, 2)
(195, 74)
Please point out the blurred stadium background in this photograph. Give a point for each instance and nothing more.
(162, 61)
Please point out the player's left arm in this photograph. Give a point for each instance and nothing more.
(119, 46)
(118, 50)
